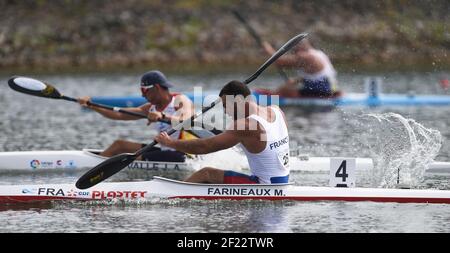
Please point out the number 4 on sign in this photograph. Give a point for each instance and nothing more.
(342, 172)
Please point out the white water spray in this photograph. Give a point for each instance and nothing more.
(229, 159)
(401, 149)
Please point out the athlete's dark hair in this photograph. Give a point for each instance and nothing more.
(235, 88)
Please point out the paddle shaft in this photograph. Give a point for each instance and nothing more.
(257, 38)
(116, 109)
(136, 114)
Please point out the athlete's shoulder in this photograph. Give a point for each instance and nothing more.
(180, 97)
(145, 106)
(306, 56)
(275, 106)
(281, 112)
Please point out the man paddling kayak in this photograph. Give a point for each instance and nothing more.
(261, 131)
(317, 74)
(161, 105)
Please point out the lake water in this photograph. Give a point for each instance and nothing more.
(31, 123)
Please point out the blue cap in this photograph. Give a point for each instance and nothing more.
(155, 77)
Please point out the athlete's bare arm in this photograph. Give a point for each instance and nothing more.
(185, 108)
(113, 114)
(247, 135)
(222, 141)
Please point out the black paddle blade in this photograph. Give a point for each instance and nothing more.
(33, 87)
(104, 170)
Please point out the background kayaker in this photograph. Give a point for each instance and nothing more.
(317, 76)
(162, 104)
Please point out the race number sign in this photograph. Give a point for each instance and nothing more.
(342, 172)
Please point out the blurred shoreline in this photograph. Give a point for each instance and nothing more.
(212, 69)
(198, 35)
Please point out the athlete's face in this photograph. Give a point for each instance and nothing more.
(152, 93)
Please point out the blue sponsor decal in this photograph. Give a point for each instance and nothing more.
(74, 193)
(71, 164)
(28, 191)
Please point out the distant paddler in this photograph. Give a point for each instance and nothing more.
(317, 76)
(261, 131)
(162, 105)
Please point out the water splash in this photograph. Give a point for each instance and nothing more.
(400, 148)
(229, 159)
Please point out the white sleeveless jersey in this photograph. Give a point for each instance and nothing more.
(273, 161)
(328, 70)
(161, 127)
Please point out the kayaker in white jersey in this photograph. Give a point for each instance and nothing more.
(261, 131)
(317, 76)
(162, 104)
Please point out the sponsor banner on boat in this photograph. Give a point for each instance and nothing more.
(56, 192)
(118, 194)
(80, 194)
(56, 164)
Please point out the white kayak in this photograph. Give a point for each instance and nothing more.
(36, 161)
(166, 188)
(70, 160)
